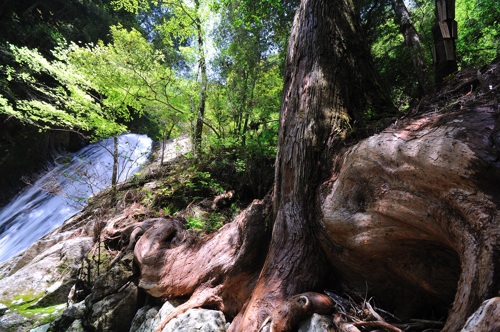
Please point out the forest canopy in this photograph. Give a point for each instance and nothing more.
(214, 69)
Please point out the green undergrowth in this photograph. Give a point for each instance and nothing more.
(205, 225)
(186, 188)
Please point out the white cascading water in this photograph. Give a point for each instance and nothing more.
(63, 191)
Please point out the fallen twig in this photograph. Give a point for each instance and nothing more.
(373, 312)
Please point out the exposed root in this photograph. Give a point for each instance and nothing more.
(292, 311)
(219, 270)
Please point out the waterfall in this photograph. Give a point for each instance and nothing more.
(64, 190)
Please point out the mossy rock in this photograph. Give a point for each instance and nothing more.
(56, 294)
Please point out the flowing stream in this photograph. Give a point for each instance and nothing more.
(64, 190)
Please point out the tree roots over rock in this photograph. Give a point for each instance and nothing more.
(409, 213)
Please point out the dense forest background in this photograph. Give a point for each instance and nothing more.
(74, 71)
(282, 101)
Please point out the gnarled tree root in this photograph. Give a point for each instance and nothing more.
(218, 270)
(297, 308)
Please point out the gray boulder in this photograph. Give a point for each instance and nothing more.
(114, 299)
(76, 327)
(75, 312)
(57, 263)
(202, 320)
(148, 318)
(43, 328)
(11, 322)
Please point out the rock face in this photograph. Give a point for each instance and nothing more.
(149, 318)
(54, 266)
(41, 277)
(414, 211)
(111, 304)
(114, 312)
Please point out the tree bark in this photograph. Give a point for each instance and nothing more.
(412, 40)
(415, 211)
(329, 85)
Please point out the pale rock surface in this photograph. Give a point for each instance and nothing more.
(76, 327)
(16, 262)
(202, 320)
(317, 323)
(174, 148)
(42, 328)
(10, 321)
(44, 270)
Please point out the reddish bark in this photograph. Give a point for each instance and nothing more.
(218, 271)
(297, 308)
(415, 210)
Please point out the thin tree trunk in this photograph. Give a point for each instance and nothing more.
(114, 177)
(204, 82)
(413, 43)
(166, 136)
(163, 147)
(247, 114)
(169, 133)
(193, 125)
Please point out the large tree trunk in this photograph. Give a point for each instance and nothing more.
(409, 213)
(329, 84)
